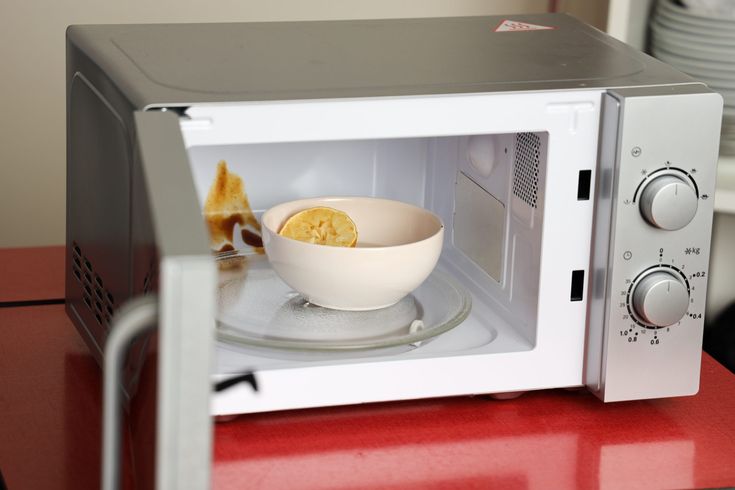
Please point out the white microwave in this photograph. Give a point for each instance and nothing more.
(574, 177)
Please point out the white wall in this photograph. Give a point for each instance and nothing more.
(628, 21)
(721, 286)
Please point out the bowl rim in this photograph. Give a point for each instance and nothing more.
(352, 250)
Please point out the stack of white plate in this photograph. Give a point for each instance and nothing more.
(701, 43)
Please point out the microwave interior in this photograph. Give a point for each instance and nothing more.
(488, 189)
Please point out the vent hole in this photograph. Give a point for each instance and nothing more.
(98, 317)
(95, 296)
(526, 168)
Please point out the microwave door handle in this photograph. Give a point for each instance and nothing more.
(133, 318)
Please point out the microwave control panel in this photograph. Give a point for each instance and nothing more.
(651, 241)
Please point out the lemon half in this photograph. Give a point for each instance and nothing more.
(321, 226)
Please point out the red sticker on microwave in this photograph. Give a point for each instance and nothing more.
(515, 26)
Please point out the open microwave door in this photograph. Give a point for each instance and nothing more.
(169, 440)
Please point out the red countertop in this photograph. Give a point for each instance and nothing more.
(548, 439)
(50, 432)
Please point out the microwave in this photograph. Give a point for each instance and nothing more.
(574, 177)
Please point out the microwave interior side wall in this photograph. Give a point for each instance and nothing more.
(487, 188)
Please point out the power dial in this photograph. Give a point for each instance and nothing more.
(659, 298)
(668, 202)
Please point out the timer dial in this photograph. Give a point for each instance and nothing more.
(660, 299)
(668, 202)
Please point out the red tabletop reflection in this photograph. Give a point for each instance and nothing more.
(50, 432)
(550, 439)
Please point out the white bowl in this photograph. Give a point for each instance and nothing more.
(398, 245)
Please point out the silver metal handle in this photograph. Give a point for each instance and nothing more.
(133, 318)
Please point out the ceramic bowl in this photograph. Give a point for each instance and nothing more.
(398, 245)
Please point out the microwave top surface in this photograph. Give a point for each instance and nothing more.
(182, 64)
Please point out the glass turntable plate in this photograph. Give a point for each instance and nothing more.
(256, 308)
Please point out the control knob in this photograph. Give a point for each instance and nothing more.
(668, 202)
(660, 299)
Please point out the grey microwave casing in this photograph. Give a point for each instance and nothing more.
(118, 149)
(114, 71)
(178, 65)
